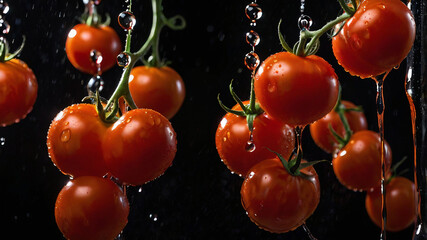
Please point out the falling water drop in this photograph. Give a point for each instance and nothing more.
(252, 38)
(4, 26)
(96, 57)
(2, 141)
(95, 84)
(307, 230)
(4, 7)
(153, 216)
(123, 59)
(250, 145)
(304, 22)
(127, 20)
(253, 12)
(251, 60)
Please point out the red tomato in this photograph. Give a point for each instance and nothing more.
(233, 134)
(18, 91)
(91, 208)
(358, 165)
(160, 89)
(74, 141)
(376, 39)
(323, 137)
(140, 146)
(82, 39)
(296, 90)
(277, 201)
(401, 203)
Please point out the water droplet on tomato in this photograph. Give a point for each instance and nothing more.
(127, 20)
(271, 87)
(252, 38)
(123, 59)
(250, 145)
(65, 135)
(252, 60)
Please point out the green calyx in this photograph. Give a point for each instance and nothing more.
(92, 18)
(309, 43)
(250, 111)
(5, 55)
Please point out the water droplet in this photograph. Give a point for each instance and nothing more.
(140, 189)
(154, 217)
(304, 22)
(251, 60)
(95, 83)
(2, 141)
(253, 12)
(97, 2)
(271, 87)
(4, 27)
(250, 145)
(252, 38)
(127, 20)
(123, 59)
(96, 56)
(4, 7)
(66, 135)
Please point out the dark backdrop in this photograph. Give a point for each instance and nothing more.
(197, 198)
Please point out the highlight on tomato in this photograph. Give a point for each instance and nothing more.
(375, 39)
(18, 90)
(296, 90)
(321, 129)
(139, 147)
(277, 200)
(159, 88)
(91, 208)
(401, 204)
(83, 38)
(74, 141)
(358, 165)
(239, 151)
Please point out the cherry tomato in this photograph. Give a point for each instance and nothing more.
(82, 39)
(74, 141)
(401, 203)
(18, 91)
(160, 89)
(233, 134)
(296, 90)
(140, 146)
(376, 38)
(358, 165)
(277, 201)
(323, 137)
(91, 208)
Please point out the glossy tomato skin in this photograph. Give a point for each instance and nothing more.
(74, 141)
(91, 208)
(277, 201)
(401, 203)
(296, 90)
(18, 91)
(323, 137)
(358, 165)
(82, 39)
(232, 136)
(140, 146)
(377, 38)
(157, 88)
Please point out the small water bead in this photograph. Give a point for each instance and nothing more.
(96, 2)
(127, 20)
(253, 12)
(96, 57)
(2, 141)
(251, 60)
(95, 83)
(304, 22)
(252, 38)
(4, 27)
(123, 59)
(4, 7)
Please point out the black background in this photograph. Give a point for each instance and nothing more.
(197, 198)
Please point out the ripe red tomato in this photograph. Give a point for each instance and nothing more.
(376, 39)
(140, 146)
(277, 201)
(401, 203)
(18, 91)
(296, 90)
(323, 137)
(160, 89)
(233, 134)
(91, 208)
(82, 39)
(358, 165)
(74, 141)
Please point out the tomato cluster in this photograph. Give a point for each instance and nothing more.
(137, 148)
